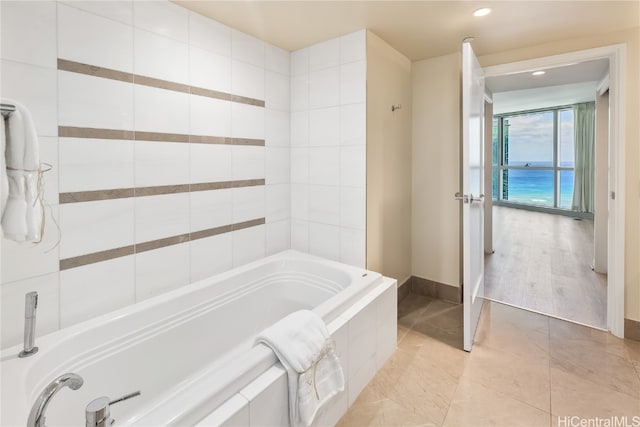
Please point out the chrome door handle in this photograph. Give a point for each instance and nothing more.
(477, 199)
(463, 197)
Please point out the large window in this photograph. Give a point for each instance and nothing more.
(533, 159)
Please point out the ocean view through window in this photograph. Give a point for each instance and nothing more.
(533, 158)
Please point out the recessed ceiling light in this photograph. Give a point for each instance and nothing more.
(537, 73)
(482, 11)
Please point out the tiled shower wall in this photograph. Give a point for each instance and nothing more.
(328, 149)
(168, 134)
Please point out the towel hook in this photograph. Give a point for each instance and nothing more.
(396, 107)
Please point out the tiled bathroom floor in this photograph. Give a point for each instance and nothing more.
(525, 370)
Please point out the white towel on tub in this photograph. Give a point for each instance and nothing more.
(23, 213)
(304, 347)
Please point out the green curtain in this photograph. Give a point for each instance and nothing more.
(584, 149)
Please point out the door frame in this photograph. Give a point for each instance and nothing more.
(616, 54)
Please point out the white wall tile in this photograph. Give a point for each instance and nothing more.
(247, 48)
(93, 102)
(353, 47)
(324, 165)
(36, 89)
(95, 164)
(300, 62)
(300, 129)
(89, 227)
(353, 124)
(210, 209)
(277, 91)
(324, 127)
(28, 32)
(277, 165)
(278, 237)
(234, 412)
(324, 55)
(324, 204)
(209, 116)
(211, 255)
(353, 83)
(267, 403)
(300, 235)
(161, 163)
(21, 261)
(162, 270)
(278, 202)
(353, 207)
(247, 121)
(208, 34)
(209, 70)
(299, 165)
(248, 162)
(353, 163)
(162, 216)
(276, 128)
(324, 240)
(324, 88)
(162, 17)
(95, 289)
(210, 163)
(159, 110)
(248, 245)
(91, 39)
(300, 92)
(248, 203)
(300, 201)
(160, 57)
(353, 247)
(276, 59)
(12, 307)
(121, 11)
(247, 80)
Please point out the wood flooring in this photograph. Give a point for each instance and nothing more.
(542, 262)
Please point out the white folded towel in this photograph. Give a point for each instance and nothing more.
(23, 213)
(305, 349)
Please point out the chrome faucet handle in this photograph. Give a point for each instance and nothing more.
(36, 416)
(98, 411)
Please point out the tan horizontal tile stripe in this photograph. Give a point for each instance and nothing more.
(95, 195)
(130, 135)
(67, 263)
(78, 132)
(161, 243)
(81, 260)
(108, 73)
(92, 70)
(121, 193)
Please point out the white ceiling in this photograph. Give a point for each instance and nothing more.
(422, 29)
(545, 97)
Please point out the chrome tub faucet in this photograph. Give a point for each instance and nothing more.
(36, 416)
(30, 306)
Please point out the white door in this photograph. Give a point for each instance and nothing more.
(472, 191)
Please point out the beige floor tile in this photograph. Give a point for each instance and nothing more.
(442, 321)
(632, 350)
(385, 413)
(573, 395)
(514, 330)
(581, 338)
(523, 378)
(478, 406)
(411, 308)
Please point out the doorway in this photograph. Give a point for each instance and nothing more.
(615, 222)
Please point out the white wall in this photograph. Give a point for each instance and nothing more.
(388, 160)
(436, 169)
(126, 248)
(328, 137)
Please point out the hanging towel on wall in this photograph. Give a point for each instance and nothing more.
(23, 213)
(305, 349)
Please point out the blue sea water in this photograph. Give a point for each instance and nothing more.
(535, 187)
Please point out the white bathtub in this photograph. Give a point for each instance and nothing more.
(191, 353)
